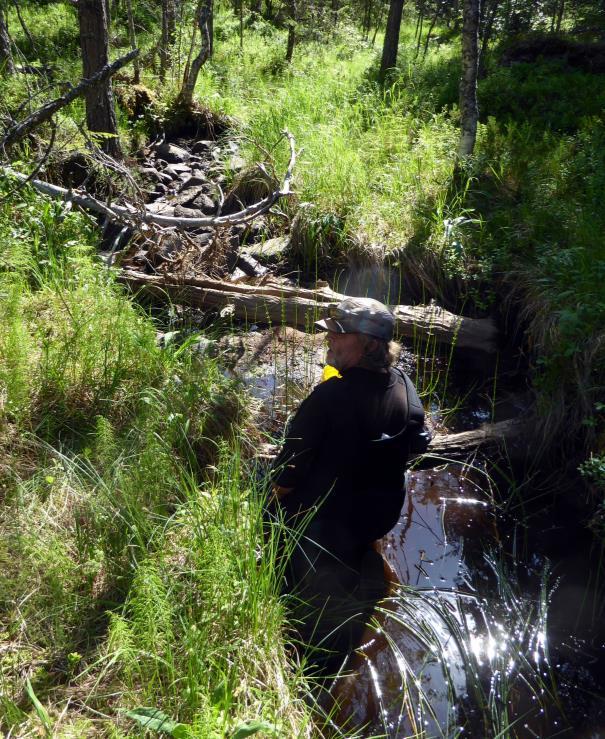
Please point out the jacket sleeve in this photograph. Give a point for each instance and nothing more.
(306, 433)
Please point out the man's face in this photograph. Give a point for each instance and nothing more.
(344, 350)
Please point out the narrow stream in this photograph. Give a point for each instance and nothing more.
(474, 638)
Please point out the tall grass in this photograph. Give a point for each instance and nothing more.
(132, 571)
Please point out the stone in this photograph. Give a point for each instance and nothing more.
(181, 212)
(205, 204)
(237, 163)
(195, 181)
(203, 146)
(269, 251)
(160, 207)
(172, 153)
(175, 170)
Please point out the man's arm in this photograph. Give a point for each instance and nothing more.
(307, 431)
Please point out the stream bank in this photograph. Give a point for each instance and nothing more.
(282, 381)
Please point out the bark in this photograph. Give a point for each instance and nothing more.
(486, 35)
(469, 111)
(32, 43)
(19, 131)
(168, 36)
(7, 64)
(367, 19)
(560, 14)
(132, 37)
(291, 31)
(94, 42)
(391, 38)
(300, 308)
(204, 22)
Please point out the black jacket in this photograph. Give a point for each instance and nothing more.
(345, 453)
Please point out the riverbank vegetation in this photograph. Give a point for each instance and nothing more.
(131, 567)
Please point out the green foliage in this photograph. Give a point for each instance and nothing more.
(548, 93)
(129, 529)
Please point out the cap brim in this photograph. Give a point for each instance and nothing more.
(330, 324)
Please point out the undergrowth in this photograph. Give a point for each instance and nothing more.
(131, 569)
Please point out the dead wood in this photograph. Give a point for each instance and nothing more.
(132, 216)
(20, 130)
(508, 436)
(280, 304)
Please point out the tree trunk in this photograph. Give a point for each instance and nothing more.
(133, 41)
(560, 13)
(291, 30)
(204, 21)
(168, 36)
(487, 35)
(94, 42)
(391, 38)
(469, 112)
(6, 57)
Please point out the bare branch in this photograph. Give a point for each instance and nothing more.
(16, 133)
(128, 214)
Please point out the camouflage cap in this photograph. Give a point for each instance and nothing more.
(360, 316)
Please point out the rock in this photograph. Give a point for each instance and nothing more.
(250, 266)
(185, 196)
(150, 172)
(193, 182)
(203, 146)
(173, 154)
(269, 251)
(181, 212)
(237, 163)
(205, 204)
(238, 275)
(175, 170)
(160, 207)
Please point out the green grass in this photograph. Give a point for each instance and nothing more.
(131, 564)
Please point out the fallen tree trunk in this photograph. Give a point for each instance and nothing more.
(280, 304)
(510, 436)
(20, 130)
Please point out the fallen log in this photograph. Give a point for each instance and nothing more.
(129, 215)
(509, 436)
(20, 130)
(280, 304)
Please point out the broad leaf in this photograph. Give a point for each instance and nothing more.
(156, 720)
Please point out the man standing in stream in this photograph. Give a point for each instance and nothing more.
(339, 478)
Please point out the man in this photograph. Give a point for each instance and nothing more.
(339, 477)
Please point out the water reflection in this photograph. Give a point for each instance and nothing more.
(440, 657)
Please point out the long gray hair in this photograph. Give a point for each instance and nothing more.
(379, 355)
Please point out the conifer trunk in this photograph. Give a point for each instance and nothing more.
(168, 35)
(469, 111)
(6, 57)
(391, 38)
(94, 42)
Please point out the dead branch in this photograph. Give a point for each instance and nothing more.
(130, 215)
(20, 130)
